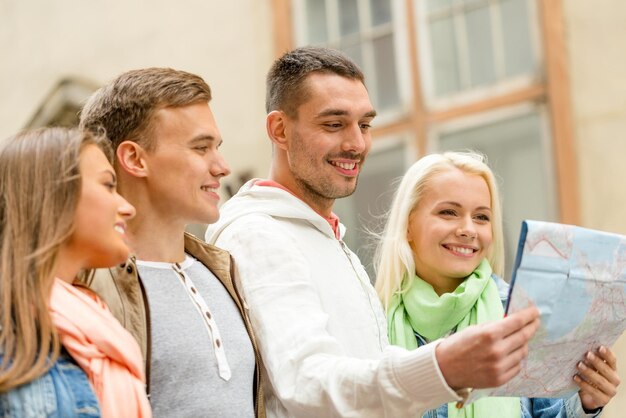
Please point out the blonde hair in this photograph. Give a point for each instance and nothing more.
(40, 187)
(394, 258)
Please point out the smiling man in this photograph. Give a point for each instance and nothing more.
(177, 294)
(321, 329)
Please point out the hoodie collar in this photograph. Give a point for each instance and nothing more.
(273, 201)
(333, 220)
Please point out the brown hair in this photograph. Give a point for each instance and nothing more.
(40, 187)
(286, 87)
(126, 106)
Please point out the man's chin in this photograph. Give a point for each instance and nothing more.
(347, 191)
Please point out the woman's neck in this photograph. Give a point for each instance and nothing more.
(67, 265)
(442, 285)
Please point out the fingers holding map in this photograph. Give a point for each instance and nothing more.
(597, 378)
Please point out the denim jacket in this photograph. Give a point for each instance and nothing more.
(62, 392)
(531, 407)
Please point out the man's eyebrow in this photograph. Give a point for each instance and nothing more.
(332, 112)
(203, 137)
(370, 114)
(341, 112)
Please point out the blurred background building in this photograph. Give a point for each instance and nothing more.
(539, 86)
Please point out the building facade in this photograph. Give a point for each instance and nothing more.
(539, 86)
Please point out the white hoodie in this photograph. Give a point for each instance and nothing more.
(321, 329)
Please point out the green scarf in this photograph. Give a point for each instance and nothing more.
(419, 309)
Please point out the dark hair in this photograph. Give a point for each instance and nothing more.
(286, 87)
(125, 107)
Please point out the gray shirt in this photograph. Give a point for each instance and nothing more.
(202, 361)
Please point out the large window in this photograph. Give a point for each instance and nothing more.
(364, 30)
(474, 44)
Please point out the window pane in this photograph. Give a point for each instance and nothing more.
(348, 17)
(515, 153)
(354, 52)
(364, 210)
(386, 81)
(480, 45)
(380, 11)
(444, 56)
(434, 5)
(316, 21)
(518, 54)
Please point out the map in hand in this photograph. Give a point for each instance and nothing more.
(576, 277)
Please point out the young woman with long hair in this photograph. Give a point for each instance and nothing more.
(59, 215)
(439, 263)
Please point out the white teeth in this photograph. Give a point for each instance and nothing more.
(119, 229)
(461, 250)
(345, 166)
(208, 189)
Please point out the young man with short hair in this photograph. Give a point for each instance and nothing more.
(177, 295)
(321, 329)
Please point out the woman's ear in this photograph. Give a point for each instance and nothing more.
(131, 158)
(276, 125)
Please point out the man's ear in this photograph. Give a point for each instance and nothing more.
(131, 158)
(276, 125)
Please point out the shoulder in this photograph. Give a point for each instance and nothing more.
(216, 260)
(119, 287)
(207, 253)
(116, 285)
(272, 231)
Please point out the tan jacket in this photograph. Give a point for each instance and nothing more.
(123, 292)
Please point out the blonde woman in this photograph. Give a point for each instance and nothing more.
(439, 264)
(59, 214)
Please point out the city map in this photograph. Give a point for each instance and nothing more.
(577, 279)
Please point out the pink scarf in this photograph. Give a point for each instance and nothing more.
(103, 348)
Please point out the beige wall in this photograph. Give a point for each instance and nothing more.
(229, 43)
(596, 36)
(596, 39)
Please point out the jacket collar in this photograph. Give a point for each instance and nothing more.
(216, 260)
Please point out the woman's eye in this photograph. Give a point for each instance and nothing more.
(447, 212)
(110, 186)
(482, 218)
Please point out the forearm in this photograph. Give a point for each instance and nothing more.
(400, 384)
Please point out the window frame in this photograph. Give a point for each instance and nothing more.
(475, 94)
